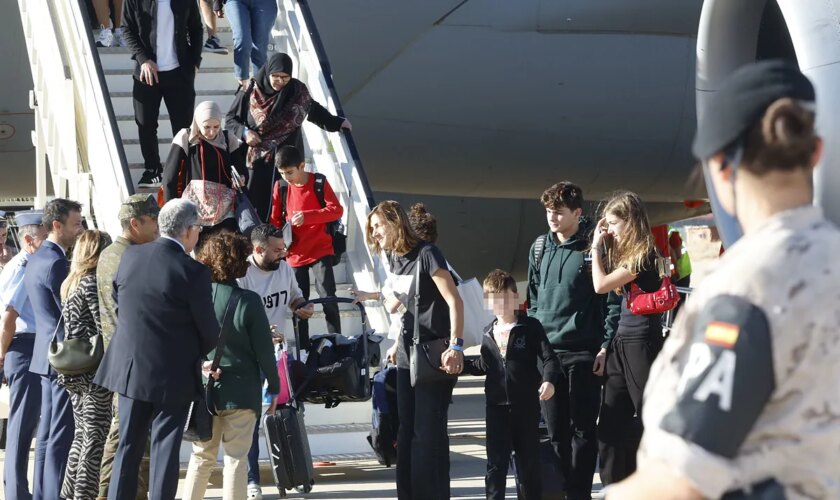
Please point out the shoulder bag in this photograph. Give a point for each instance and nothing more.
(424, 356)
(200, 418)
(75, 356)
(658, 302)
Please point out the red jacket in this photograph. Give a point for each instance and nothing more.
(310, 241)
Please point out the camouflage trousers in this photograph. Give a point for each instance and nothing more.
(108, 460)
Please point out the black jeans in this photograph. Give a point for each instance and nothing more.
(620, 425)
(513, 428)
(422, 439)
(325, 285)
(570, 417)
(177, 89)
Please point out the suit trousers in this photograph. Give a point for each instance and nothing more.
(25, 407)
(233, 430)
(325, 285)
(110, 452)
(55, 435)
(167, 425)
(619, 425)
(177, 89)
(570, 417)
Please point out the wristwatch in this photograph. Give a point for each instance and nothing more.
(457, 345)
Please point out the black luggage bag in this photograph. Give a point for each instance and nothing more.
(288, 449)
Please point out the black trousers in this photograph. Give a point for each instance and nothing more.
(325, 285)
(177, 89)
(570, 417)
(620, 426)
(513, 428)
(261, 185)
(422, 439)
(167, 424)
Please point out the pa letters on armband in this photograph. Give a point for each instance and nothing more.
(727, 379)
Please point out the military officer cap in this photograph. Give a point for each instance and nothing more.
(138, 205)
(29, 218)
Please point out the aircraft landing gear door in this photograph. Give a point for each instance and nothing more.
(728, 37)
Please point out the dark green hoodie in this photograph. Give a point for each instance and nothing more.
(561, 295)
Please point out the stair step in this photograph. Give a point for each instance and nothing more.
(124, 103)
(216, 81)
(120, 58)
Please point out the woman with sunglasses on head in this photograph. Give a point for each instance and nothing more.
(624, 257)
(741, 401)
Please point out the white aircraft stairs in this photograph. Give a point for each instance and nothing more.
(87, 150)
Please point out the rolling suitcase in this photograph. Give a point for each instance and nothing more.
(288, 450)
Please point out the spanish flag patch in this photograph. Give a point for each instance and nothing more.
(722, 334)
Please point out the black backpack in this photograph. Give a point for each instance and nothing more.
(335, 229)
(384, 420)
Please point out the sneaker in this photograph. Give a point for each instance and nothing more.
(119, 38)
(105, 38)
(214, 45)
(150, 179)
(254, 491)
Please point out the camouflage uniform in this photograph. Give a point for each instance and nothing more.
(743, 392)
(136, 206)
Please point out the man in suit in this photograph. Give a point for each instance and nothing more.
(16, 345)
(166, 324)
(45, 272)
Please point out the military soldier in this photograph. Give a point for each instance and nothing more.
(742, 400)
(18, 341)
(138, 218)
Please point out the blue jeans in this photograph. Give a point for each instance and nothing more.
(251, 22)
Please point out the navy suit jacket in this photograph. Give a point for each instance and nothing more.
(166, 324)
(45, 272)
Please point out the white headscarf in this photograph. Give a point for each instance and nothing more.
(207, 110)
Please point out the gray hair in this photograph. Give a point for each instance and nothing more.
(176, 217)
(29, 230)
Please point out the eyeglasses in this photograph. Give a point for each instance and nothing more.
(283, 78)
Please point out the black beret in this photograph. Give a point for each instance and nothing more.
(742, 100)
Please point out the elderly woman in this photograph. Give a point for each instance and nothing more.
(268, 113)
(248, 349)
(199, 169)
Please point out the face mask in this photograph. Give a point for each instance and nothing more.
(727, 223)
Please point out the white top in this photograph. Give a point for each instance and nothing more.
(167, 59)
(278, 289)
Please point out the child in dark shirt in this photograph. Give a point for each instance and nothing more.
(520, 366)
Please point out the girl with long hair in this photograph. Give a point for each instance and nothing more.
(422, 440)
(91, 403)
(624, 253)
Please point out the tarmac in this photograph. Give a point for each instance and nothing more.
(367, 479)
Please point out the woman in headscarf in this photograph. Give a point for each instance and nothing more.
(199, 168)
(268, 113)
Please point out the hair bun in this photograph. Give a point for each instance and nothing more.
(786, 124)
(419, 209)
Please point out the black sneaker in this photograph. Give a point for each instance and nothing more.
(150, 179)
(214, 45)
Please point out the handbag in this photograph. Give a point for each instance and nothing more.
(660, 301)
(424, 356)
(75, 356)
(243, 210)
(200, 417)
(214, 200)
(476, 315)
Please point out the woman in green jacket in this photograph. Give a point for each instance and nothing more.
(247, 350)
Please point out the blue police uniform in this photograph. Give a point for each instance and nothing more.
(24, 386)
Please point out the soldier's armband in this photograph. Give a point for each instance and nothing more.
(727, 379)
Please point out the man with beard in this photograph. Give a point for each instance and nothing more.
(274, 280)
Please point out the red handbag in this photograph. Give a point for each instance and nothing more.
(660, 301)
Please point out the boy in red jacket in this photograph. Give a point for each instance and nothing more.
(311, 246)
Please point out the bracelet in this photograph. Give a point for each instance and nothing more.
(456, 347)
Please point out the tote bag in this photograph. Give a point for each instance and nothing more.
(476, 315)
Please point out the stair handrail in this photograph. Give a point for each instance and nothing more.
(299, 32)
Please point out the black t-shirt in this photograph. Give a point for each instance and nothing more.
(633, 325)
(434, 311)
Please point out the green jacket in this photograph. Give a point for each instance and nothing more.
(562, 297)
(248, 349)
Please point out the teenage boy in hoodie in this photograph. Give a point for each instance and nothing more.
(520, 366)
(311, 246)
(562, 298)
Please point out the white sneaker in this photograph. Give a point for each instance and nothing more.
(119, 38)
(105, 38)
(254, 492)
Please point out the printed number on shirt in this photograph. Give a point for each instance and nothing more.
(273, 300)
(727, 377)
